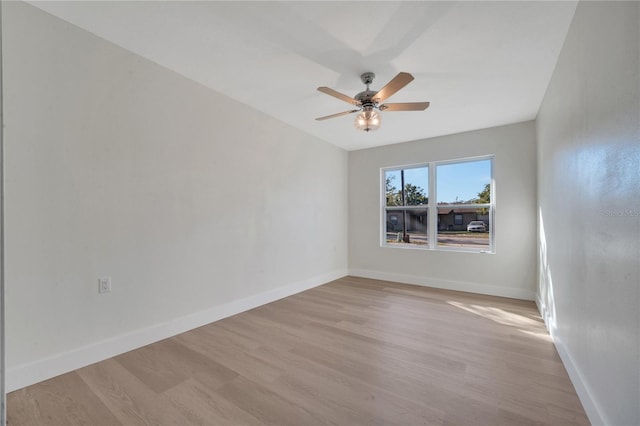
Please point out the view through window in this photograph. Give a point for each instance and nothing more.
(406, 205)
(458, 193)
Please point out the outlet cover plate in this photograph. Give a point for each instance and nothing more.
(104, 285)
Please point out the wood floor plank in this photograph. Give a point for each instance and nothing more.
(196, 403)
(129, 399)
(359, 401)
(252, 327)
(168, 363)
(241, 362)
(63, 400)
(302, 383)
(352, 352)
(265, 405)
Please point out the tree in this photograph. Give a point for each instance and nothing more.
(484, 196)
(414, 195)
(394, 198)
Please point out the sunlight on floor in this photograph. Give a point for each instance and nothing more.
(540, 335)
(501, 316)
(497, 315)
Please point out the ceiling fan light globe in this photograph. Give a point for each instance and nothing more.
(367, 121)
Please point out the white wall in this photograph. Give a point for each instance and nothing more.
(589, 206)
(196, 206)
(510, 272)
(3, 396)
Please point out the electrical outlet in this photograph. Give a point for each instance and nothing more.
(104, 285)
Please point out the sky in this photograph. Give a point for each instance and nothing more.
(455, 182)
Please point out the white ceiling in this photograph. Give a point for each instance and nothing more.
(480, 64)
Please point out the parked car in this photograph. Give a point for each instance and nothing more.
(476, 226)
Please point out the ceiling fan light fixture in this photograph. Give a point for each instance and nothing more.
(367, 120)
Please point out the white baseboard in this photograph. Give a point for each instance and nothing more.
(515, 293)
(591, 408)
(34, 372)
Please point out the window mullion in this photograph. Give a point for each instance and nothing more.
(432, 228)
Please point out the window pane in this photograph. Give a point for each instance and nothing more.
(395, 223)
(463, 227)
(392, 188)
(406, 227)
(459, 187)
(462, 183)
(416, 186)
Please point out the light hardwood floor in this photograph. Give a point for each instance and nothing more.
(351, 352)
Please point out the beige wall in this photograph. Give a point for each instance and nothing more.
(188, 200)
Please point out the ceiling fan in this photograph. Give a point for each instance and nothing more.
(368, 101)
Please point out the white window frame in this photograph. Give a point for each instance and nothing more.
(432, 206)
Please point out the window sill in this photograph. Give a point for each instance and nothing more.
(444, 249)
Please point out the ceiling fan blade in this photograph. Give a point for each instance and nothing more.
(397, 83)
(337, 115)
(338, 95)
(405, 106)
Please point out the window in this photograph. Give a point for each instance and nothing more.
(457, 193)
(463, 191)
(406, 200)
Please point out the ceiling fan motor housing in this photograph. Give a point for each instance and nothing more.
(365, 98)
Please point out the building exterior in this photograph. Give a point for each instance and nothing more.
(449, 219)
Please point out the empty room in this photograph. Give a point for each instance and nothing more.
(320, 212)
